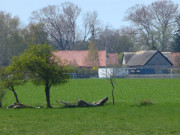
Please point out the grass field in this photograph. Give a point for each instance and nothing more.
(123, 118)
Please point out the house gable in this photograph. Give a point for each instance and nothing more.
(144, 58)
(158, 59)
(140, 58)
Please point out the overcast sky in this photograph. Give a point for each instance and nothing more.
(110, 12)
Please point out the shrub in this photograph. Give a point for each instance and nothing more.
(145, 102)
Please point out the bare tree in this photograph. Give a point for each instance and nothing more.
(164, 14)
(91, 25)
(154, 23)
(112, 80)
(131, 39)
(116, 41)
(60, 23)
(142, 18)
(111, 75)
(108, 38)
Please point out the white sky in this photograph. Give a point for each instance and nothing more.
(110, 12)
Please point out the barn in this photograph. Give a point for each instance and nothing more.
(146, 62)
(84, 68)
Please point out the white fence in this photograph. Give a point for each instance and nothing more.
(116, 72)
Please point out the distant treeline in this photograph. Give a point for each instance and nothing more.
(154, 26)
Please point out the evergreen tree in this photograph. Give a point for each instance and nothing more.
(176, 42)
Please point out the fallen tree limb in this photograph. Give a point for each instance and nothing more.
(67, 104)
(19, 106)
(82, 103)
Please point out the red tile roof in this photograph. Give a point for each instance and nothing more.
(176, 59)
(112, 59)
(79, 58)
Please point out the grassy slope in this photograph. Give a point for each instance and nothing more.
(122, 118)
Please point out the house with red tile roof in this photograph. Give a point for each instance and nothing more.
(79, 58)
(175, 59)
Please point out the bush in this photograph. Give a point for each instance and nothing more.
(145, 102)
(87, 71)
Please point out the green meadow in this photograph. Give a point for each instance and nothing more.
(126, 117)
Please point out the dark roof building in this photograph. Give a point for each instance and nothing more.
(142, 58)
(152, 59)
(168, 55)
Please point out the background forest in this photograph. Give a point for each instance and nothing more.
(151, 27)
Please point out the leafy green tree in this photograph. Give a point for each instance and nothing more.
(60, 23)
(12, 76)
(93, 57)
(176, 41)
(44, 68)
(35, 34)
(11, 41)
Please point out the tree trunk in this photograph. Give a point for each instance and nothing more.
(47, 91)
(15, 94)
(0, 104)
(112, 91)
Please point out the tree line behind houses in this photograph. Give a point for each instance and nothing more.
(152, 27)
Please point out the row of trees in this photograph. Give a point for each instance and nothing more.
(14, 39)
(154, 26)
(60, 23)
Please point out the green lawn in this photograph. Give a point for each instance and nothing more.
(124, 118)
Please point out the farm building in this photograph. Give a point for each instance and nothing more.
(176, 59)
(147, 62)
(79, 58)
